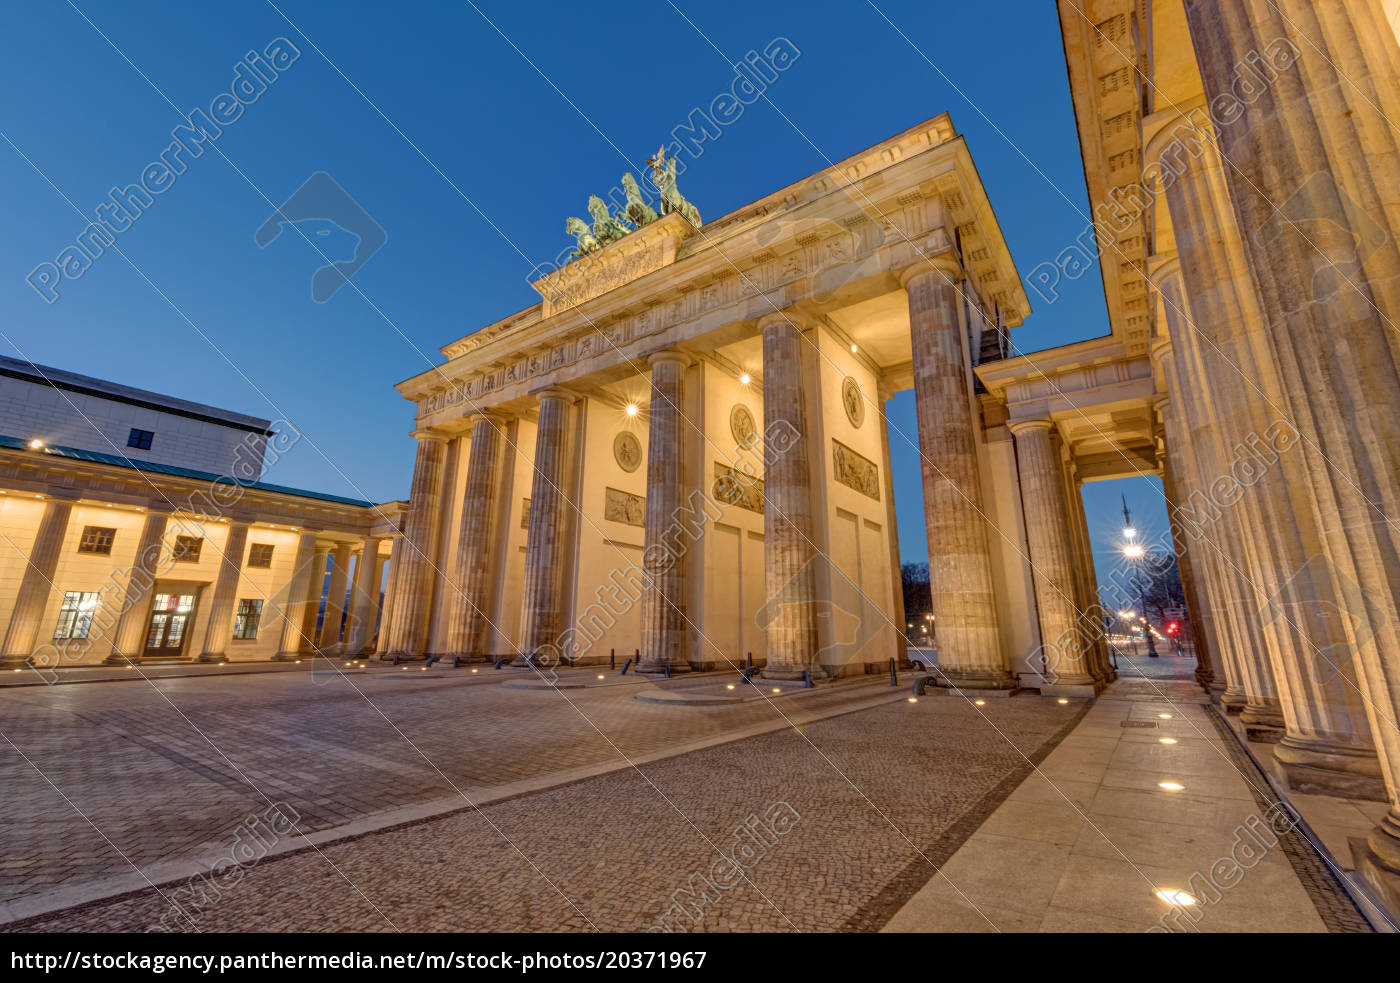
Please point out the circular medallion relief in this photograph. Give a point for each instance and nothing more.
(853, 401)
(627, 449)
(741, 424)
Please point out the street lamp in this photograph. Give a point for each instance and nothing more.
(1135, 552)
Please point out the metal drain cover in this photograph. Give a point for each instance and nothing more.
(1137, 723)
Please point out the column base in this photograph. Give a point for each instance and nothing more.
(291, 656)
(118, 659)
(975, 678)
(1377, 860)
(1074, 691)
(659, 668)
(1329, 769)
(780, 673)
(212, 658)
(1233, 701)
(405, 656)
(1262, 723)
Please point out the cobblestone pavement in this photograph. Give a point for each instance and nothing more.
(105, 776)
(847, 819)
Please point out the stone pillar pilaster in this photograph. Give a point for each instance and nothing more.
(303, 594)
(544, 544)
(960, 568)
(364, 598)
(788, 546)
(37, 582)
(129, 639)
(223, 604)
(386, 615)
(329, 640)
(1316, 155)
(470, 596)
(413, 584)
(1052, 556)
(664, 627)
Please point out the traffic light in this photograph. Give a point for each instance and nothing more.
(1171, 628)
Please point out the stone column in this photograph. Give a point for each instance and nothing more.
(364, 598)
(386, 615)
(129, 640)
(664, 625)
(1091, 613)
(1067, 668)
(470, 595)
(224, 602)
(303, 596)
(1211, 681)
(37, 582)
(544, 542)
(329, 640)
(408, 635)
(788, 544)
(960, 566)
(1315, 158)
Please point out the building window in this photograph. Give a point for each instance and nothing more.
(97, 539)
(245, 623)
(140, 439)
(260, 555)
(75, 616)
(187, 549)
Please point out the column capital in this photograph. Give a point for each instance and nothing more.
(789, 315)
(944, 266)
(670, 355)
(425, 435)
(1019, 427)
(556, 392)
(493, 417)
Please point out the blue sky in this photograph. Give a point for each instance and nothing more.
(213, 317)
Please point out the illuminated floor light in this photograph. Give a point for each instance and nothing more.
(729, 686)
(473, 670)
(601, 676)
(1164, 716)
(1174, 896)
(1168, 740)
(1171, 786)
(776, 689)
(1062, 700)
(980, 703)
(913, 699)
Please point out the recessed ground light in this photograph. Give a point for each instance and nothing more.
(776, 689)
(1164, 716)
(729, 686)
(1174, 896)
(298, 662)
(473, 670)
(980, 703)
(601, 676)
(1168, 740)
(913, 699)
(1062, 700)
(1171, 786)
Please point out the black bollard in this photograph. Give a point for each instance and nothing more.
(894, 678)
(612, 659)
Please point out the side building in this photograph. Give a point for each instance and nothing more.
(136, 527)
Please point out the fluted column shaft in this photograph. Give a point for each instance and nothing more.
(129, 639)
(469, 629)
(1211, 681)
(303, 593)
(222, 607)
(413, 582)
(1052, 558)
(1316, 154)
(364, 598)
(37, 582)
(790, 580)
(664, 625)
(959, 560)
(335, 599)
(544, 543)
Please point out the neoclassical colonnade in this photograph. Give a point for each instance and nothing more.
(53, 501)
(681, 452)
(1261, 152)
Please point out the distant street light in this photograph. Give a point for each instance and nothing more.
(1135, 552)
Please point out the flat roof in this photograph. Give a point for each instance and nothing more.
(87, 385)
(117, 461)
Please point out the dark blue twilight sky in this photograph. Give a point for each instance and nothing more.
(212, 317)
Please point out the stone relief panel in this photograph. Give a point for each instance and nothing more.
(733, 487)
(741, 424)
(855, 471)
(627, 451)
(853, 402)
(621, 506)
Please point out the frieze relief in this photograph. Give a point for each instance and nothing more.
(621, 506)
(814, 257)
(734, 487)
(854, 470)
